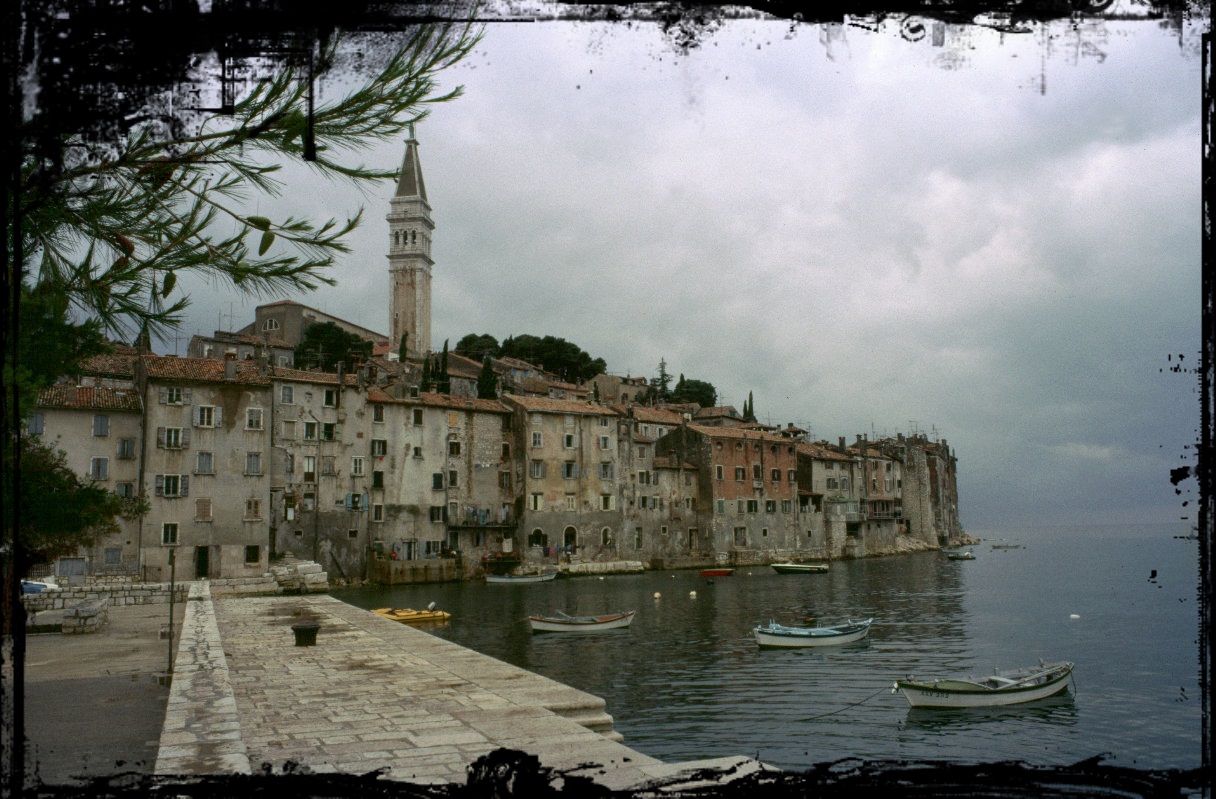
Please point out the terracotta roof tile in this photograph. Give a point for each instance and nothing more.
(547, 405)
(737, 433)
(90, 397)
(201, 370)
(434, 400)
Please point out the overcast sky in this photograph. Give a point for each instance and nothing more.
(995, 241)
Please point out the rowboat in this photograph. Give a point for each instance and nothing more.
(778, 635)
(411, 616)
(717, 572)
(799, 568)
(521, 578)
(966, 554)
(1005, 545)
(562, 623)
(1008, 688)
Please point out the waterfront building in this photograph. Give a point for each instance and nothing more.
(205, 466)
(100, 431)
(569, 476)
(749, 484)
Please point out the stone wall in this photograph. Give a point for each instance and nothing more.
(115, 592)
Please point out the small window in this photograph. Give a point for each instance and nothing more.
(605, 442)
(101, 425)
(253, 555)
(454, 449)
(537, 439)
(607, 502)
(718, 471)
(417, 416)
(536, 469)
(205, 415)
(287, 395)
(289, 428)
(569, 470)
(126, 448)
(204, 463)
(253, 419)
(327, 465)
(99, 468)
(173, 395)
(310, 468)
(377, 479)
(379, 447)
(253, 463)
(202, 509)
(270, 324)
(329, 431)
(253, 508)
(438, 513)
(571, 502)
(437, 481)
(535, 501)
(452, 478)
(168, 534)
(125, 490)
(377, 413)
(606, 471)
(36, 424)
(505, 454)
(331, 398)
(173, 438)
(310, 431)
(356, 467)
(740, 474)
(377, 513)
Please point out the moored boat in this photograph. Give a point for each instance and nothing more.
(1001, 688)
(411, 616)
(717, 572)
(779, 635)
(799, 568)
(563, 623)
(966, 554)
(521, 578)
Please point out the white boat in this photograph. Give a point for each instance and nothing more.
(966, 554)
(799, 568)
(1000, 688)
(778, 635)
(562, 623)
(521, 578)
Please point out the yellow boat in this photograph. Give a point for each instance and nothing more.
(411, 616)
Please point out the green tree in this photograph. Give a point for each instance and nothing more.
(487, 381)
(109, 225)
(698, 391)
(661, 384)
(477, 346)
(324, 345)
(403, 349)
(115, 225)
(556, 355)
(426, 383)
(749, 409)
(443, 380)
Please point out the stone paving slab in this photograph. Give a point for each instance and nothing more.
(372, 694)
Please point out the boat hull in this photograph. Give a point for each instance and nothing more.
(410, 616)
(581, 624)
(776, 636)
(717, 572)
(1039, 684)
(521, 578)
(799, 568)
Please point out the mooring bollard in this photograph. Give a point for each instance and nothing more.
(306, 633)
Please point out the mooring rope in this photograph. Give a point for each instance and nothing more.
(846, 707)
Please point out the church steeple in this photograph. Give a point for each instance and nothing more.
(409, 255)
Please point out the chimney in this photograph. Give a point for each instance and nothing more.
(842, 443)
(230, 366)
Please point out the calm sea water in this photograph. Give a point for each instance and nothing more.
(687, 680)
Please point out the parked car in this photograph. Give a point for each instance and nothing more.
(36, 587)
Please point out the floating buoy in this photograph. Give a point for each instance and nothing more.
(601, 576)
(657, 595)
(1073, 616)
(692, 594)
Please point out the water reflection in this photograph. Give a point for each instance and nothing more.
(687, 680)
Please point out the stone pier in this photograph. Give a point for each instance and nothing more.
(373, 694)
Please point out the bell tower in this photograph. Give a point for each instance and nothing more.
(409, 256)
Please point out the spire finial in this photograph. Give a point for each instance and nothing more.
(410, 125)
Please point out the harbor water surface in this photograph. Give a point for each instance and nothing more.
(687, 680)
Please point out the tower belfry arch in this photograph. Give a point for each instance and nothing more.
(409, 256)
